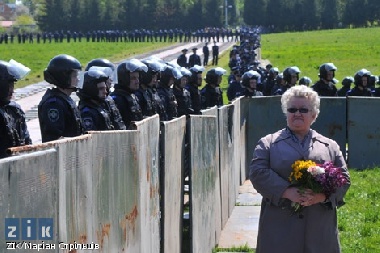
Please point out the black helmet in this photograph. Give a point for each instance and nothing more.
(213, 74)
(154, 67)
(326, 67)
(59, 70)
(358, 76)
(10, 72)
(126, 67)
(288, 72)
(249, 75)
(170, 72)
(373, 80)
(305, 81)
(347, 81)
(90, 81)
(100, 62)
(195, 70)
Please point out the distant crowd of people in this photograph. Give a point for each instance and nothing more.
(209, 34)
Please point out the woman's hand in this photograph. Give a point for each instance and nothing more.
(308, 198)
(304, 197)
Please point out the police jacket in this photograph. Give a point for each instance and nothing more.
(169, 101)
(13, 129)
(342, 92)
(116, 119)
(94, 115)
(194, 59)
(324, 89)
(182, 61)
(145, 101)
(365, 92)
(252, 93)
(211, 96)
(128, 106)
(158, 104)
(195, 96)
(234, 90)
(58, 116)
(183, 101)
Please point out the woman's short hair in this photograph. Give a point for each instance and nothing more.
(301, 91)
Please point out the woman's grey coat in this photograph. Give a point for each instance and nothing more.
(280, 230)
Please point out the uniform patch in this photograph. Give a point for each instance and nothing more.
(88, 123)
(53, 115)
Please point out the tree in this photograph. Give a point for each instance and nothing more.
(255, 12)
(275, 14)
(329, 14)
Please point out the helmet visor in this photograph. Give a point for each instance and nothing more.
(17, 70)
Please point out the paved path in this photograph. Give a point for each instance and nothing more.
(242, 226)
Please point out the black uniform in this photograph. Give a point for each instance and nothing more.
(58, 116)
(128, 106)
(234, 90)
(342, 92)
(206, 54)
(211, 96)
(324, 89)
(13, 129)
(95, 116)
(116, 119)
(215, 54)
(158, 104)
(365, 92)
(169, 101)
(194, 59)
(183, 101)
(195, 96)
(145, 101)
(182, 61)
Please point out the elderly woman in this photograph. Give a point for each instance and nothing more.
(280, 228)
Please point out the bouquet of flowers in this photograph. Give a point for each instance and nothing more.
(320, 178)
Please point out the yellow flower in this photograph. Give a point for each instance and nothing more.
(299, 167)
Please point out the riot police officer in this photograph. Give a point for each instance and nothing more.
(57, 112)
(128, 76)
(194, 82)
(346, 86)
(116, 119)
(361, 79)
(289, 78)
(92, 105)
(168, 76)
(235, 88)
(147, 81)
(182, 95)
(212, 94)
(305, 80)
(249, 81)
(13, 129)
(325, 86)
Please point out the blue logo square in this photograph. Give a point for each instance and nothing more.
(12, 229)
(45, 229)
(29, 229)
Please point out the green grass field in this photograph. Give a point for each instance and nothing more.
(349, 49)
(37, 56)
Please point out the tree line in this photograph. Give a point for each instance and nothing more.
(278, 15)
(298, 15)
